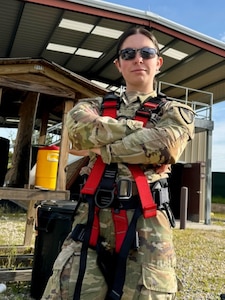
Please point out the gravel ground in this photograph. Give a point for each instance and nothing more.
(200, 260)
(200, 263)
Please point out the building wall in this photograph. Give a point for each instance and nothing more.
(196, 152)
(196, 149)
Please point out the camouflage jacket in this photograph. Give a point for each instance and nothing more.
(124, 140)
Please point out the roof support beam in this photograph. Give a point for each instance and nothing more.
(144, 20)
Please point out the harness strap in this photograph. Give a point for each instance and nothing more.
(84, 249)
(110, 105)
(121, 224)
(116, 290)
(90, 188)
(148, 205)
(95, 228)
(143, 114)
(94, 178)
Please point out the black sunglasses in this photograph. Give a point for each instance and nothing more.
(145, 52)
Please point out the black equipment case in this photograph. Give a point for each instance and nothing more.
(53, 224)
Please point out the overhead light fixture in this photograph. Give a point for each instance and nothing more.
(88, 53)
(85, 27)
(75, 25)
(176, 54)
(107, 32)
(61, 48)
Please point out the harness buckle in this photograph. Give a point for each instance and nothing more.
(124, 189)
(146, 109)
(104, 198)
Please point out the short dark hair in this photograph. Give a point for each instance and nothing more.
(135, 30)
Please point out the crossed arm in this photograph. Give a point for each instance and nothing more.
(126, 140)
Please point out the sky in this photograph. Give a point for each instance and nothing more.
(206, 17)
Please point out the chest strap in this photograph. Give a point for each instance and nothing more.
(101, 185)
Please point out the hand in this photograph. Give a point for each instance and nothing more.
(85, 152)
(96, 151)
(162, 169)
(79, 152)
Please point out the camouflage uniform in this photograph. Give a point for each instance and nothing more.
(150, 271)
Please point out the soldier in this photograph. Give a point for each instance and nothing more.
(148, 265)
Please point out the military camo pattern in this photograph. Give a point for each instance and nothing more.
(150, 273)
(150, 270)
(125, 140)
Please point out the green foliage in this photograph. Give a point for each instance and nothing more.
(218, 199)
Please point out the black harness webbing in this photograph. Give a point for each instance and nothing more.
(116, 290)
(84, 248)
(86, 232)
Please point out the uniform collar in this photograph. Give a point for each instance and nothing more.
(130, 97)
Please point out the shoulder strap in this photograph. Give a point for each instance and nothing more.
(110, 104)
(151, 105)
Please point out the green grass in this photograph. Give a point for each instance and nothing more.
(218, 199)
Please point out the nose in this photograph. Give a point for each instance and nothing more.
(138, 58)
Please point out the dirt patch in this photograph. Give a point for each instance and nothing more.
(218, 208)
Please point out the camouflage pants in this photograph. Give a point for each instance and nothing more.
(150, 271)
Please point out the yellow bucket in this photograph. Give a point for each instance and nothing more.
(47, 167)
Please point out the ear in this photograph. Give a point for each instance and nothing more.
(117, 64)
(159, 62)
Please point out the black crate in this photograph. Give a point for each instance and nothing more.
(53, 224)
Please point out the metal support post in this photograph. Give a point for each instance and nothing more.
(183, 207)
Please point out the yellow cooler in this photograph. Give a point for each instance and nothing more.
(47, 167)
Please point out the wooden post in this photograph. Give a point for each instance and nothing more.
(0, 95)
(18, 175)
(64, 147)
(44, 127)
(30, 222)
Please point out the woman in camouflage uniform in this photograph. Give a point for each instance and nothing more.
(150, 270)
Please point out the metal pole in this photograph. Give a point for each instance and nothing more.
(183, 207)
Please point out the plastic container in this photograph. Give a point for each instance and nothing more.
(47, 167)
(53, 224)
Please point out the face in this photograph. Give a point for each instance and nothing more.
(139, 72)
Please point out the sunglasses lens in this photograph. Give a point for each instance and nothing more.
(128, 53)
(148, 52)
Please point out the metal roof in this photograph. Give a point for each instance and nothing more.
(28, 27)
